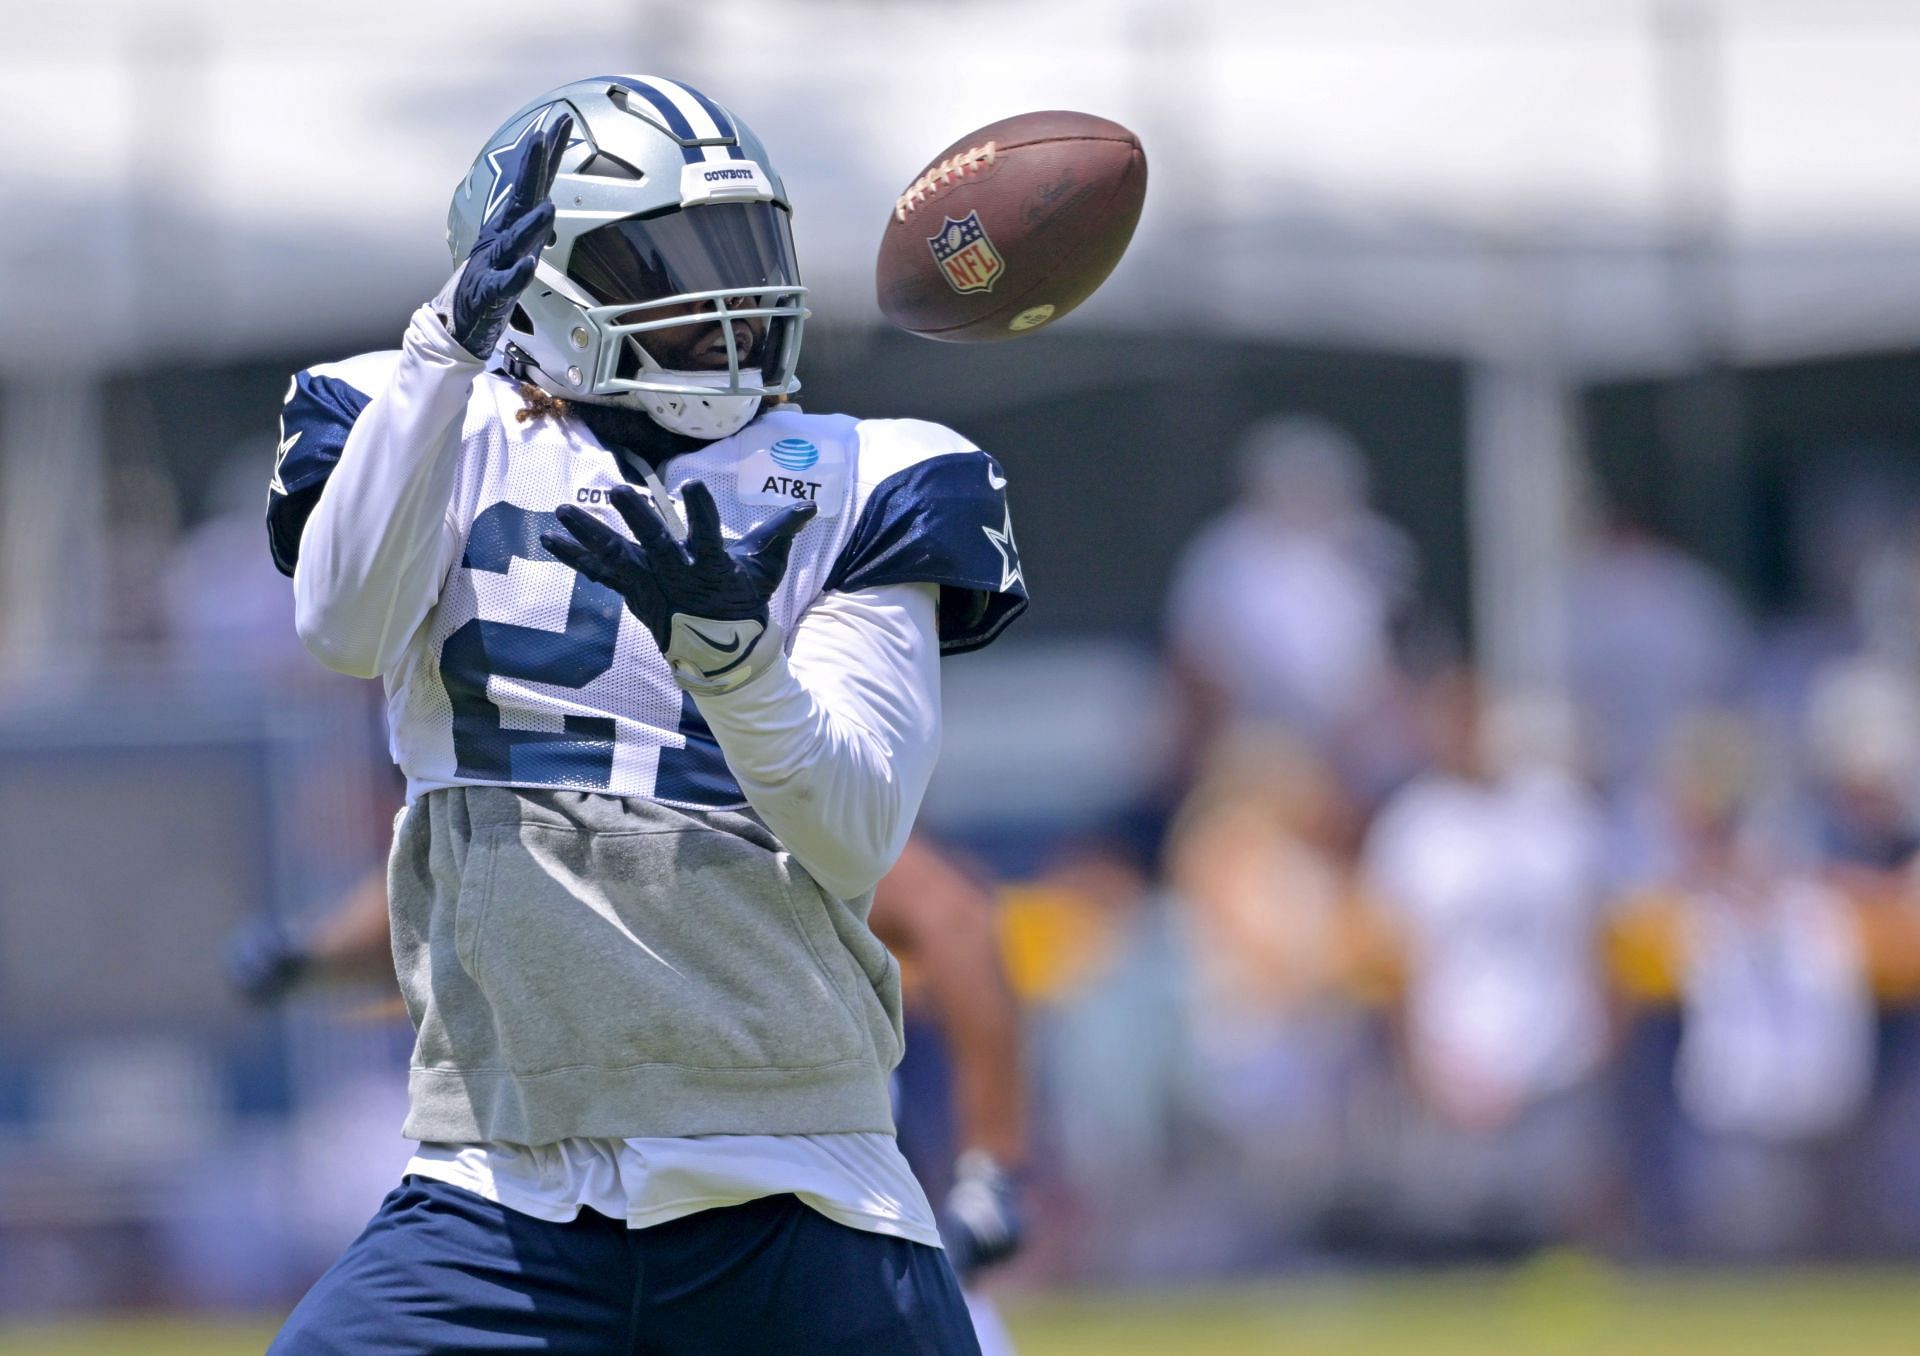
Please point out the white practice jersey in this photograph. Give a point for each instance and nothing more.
(527, 674)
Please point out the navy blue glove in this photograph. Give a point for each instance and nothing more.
(264, 962)
(704, 601)
(500, 264)
(980, 1222)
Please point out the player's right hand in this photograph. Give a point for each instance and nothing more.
(500, 265)
(980, 1223)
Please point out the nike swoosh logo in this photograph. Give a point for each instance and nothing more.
(733, 664)
(723, 649)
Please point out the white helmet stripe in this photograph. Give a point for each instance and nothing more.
(696, 111)
(721, 118)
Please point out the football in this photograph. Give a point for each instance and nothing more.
(1011, 227)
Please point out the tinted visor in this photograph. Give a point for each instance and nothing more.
(743, 249)
(746, 246)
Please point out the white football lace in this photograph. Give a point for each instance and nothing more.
(941, 175)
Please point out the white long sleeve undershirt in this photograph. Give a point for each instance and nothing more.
(833, 745)
(380, 541)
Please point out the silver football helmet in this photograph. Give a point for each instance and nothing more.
(670, 283)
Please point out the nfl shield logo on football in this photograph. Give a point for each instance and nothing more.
(966, 255)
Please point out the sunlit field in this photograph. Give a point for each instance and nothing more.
(1560, 1307)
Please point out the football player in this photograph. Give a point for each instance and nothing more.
(661, 660)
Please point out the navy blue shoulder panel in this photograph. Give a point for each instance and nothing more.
(314, 424)
(942, 521)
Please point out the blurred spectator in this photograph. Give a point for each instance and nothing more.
(1863, 748)
(1656, 635)
(1092, 950)
(1492, 873)
(1281, 609)
(1777, 1021)
(1260, 868)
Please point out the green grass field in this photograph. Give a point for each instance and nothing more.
(1562, 1306)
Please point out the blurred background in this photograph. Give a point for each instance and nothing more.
(1456, 789)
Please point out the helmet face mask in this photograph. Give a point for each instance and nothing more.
(670, 284)
(715, 281)
(750, 337)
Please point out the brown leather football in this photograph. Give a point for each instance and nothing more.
(1011, 227)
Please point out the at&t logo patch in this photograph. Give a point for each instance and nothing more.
(795, 454)
(794, 470)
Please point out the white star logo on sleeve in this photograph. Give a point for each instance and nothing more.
(277, 485)
(1009, 553)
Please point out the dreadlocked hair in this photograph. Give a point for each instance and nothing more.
(538, 403)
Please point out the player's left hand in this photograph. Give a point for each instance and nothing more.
(704, 601)
(980, 1221)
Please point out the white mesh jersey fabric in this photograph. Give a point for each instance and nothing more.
(525, 674)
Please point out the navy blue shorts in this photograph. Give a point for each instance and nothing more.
(443, 1270)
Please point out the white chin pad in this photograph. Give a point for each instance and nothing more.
(700, 416)
(720, 415)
